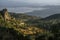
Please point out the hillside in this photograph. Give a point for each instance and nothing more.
(15, 27)
(24, 17)
(18, 26)
(55, 16)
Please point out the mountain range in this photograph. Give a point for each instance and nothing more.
(50, 10)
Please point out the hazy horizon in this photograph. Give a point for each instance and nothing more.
(23, 6)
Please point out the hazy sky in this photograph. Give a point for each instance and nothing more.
(38, 1)
(54, 2)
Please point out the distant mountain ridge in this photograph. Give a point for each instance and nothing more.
(54, 16)
(50, 10)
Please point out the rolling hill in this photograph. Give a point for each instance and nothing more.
(55, 16)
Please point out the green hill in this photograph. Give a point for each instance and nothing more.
(24, 27)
